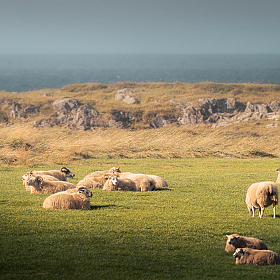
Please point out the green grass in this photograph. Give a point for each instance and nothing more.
(177, 233)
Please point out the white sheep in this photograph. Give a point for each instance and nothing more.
(97, 179)
(113, 183)
(38, 185)
(256, 257)
(143, 182)
(261, 195)
(61, 174)
(28, 175)
(78, 198)
(235, 241)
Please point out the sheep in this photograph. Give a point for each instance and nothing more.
(78, 198)
(61, 174)
(143, 182)
(39, 185)
(97, 179)
(113, 183)
(160, 182)
(28, 175)
(235, 241)
(261, 195)
(256, 257)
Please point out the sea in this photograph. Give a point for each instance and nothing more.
(20, 73)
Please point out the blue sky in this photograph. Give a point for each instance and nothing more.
(143, 26)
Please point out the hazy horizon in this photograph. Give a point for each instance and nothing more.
(190, 27)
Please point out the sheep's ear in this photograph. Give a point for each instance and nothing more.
(244, 202)
(81, 189)
(40, 179)
(64, 169)
(278, 169)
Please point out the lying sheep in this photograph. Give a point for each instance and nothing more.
(160, 182)
(257, 257)
(78, 198)
(97, 179)
(113, 183)
(38, 185)
(261, 195)
(61, 174)
(28, 175)
(235, 241)
(143, 182)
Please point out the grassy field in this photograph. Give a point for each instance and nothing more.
(174, 233)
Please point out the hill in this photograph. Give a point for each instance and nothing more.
(139, 120)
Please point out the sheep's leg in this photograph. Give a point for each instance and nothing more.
(253, 211)
(274, 209)
(261, 212)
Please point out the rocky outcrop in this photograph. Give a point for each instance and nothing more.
(159, 122)
(73, 114)
(122, 95)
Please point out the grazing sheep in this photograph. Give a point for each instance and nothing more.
(28, 175)
(113, 183)
(78, 198)
(143, 182)
(261, 195)
(235, 241)
(39, 185)
(97, 179)
(256, 257)
(61, 174)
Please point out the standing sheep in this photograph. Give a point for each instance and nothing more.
(61, 174)
(38, 185)
(78, 199)
(256, 257)
(143, 182)
(235, 241)
(113, 183)
(261, 195)
(97, 179)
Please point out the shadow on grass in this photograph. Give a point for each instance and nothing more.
(97, 207)
(163, 189)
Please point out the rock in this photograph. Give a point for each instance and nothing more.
(45, 123)
(274, 106)
(32, 110)
(122, 96)
(191, 116)
(75, 114)
(159, 122)
(114, 124)
(15, 108)
(272, 125)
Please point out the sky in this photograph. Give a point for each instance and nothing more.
(139, 27)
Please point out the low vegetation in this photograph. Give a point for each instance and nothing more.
(174, 233)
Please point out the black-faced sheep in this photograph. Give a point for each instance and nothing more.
(61, 174)
(38, 185)
(143, 182)
(78, 198)
(256, 257)
(113, 183)
(235, 241)
(261, 195)
(97, 179)
(28, 175)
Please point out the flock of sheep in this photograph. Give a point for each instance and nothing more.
(66, 196)
(247, 250)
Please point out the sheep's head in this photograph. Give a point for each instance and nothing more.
(112, 177)
(84, 190)
(68, 173)
(232, 239)
(35, 181)
(26, 176)
(115, 169)
(238, 253)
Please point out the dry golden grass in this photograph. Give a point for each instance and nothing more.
(23, 144)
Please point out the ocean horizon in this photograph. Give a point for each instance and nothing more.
(20, 73)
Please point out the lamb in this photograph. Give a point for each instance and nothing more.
(143, 182)
(78, 198)
(39, 185)
(235, 241)
(61, 174)
(97, 179)
(113, 183)
(261, 195)
(28, 175)
(256, 257)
